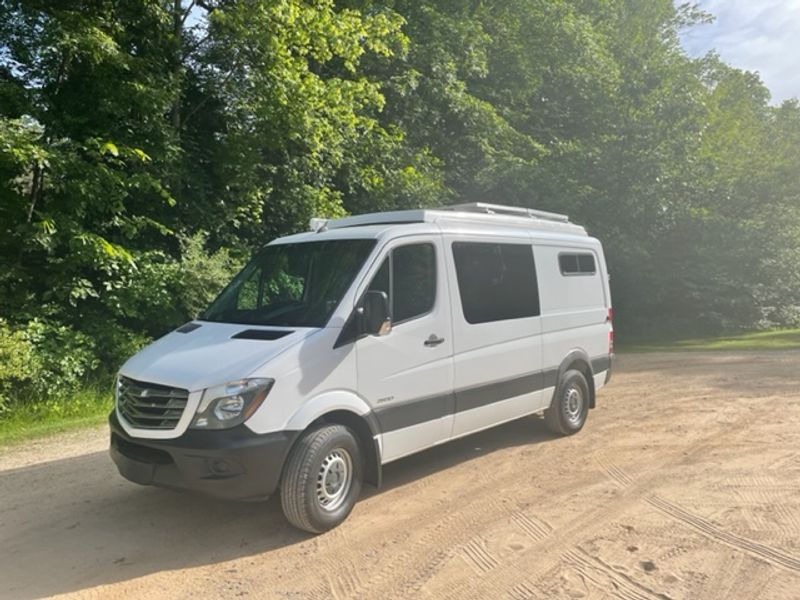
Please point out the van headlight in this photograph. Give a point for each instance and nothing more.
(229, 405)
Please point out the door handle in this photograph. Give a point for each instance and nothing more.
(433, 340)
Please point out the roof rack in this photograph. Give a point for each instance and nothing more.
(511, 216)
(499, 209)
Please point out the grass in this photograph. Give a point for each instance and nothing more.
(776, 339)
(30, 419)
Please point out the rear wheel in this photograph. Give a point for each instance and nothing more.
(322, 479)
(570, 407)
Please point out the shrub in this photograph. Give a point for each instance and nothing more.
(19, 366)
(65, 358)
(65, 351)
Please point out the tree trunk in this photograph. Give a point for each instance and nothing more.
(177, 20)
(177, 67)
(37, 184)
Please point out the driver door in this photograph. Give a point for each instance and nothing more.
(407, 375)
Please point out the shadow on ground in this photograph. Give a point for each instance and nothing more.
(74, 524)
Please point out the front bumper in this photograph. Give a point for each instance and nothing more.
(234, 464)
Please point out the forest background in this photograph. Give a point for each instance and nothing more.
(147, 148)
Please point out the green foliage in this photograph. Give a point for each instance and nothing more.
(18, 364)
(300, 115)
(43, 360)
(65, 357)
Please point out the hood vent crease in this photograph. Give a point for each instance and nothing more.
(260, 334)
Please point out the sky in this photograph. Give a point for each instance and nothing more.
(755, 35)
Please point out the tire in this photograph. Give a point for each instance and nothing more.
(570, 406)
(322, 477)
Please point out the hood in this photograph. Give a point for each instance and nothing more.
(201, 354)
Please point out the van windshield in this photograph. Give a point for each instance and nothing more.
(291, 285)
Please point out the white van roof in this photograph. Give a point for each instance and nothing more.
(491, 215)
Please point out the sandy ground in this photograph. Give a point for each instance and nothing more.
(685, 483)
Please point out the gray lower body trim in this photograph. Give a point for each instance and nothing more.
(421, 410)
(475, 397)
(415, 412)
(607, 367)
(601, 363)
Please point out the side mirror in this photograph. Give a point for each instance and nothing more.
(375, 319)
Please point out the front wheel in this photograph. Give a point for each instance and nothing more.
(570, 407)
(322, 479)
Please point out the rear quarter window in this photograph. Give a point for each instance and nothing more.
(577, 263)
(570, 279)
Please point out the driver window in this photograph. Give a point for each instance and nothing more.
(408, 277)
(382, 282)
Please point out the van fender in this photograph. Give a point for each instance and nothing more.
(576, 359)
(328, 402)
(349, 409)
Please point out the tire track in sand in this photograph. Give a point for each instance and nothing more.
(478, 556)
(606, 577)
(534, 528)
(523, 591)
(567, 537)
(615, 473)
(765, 552)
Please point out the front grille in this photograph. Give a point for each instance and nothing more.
(149, 405)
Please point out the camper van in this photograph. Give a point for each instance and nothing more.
(364, 340)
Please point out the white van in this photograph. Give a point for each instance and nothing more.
(367, 339)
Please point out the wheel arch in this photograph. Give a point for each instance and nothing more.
(347, 409)
(365, 429)
(579, 360)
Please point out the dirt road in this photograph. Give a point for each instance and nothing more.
(685, 483)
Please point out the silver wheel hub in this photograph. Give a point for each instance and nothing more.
(334, 479)
(573, 404)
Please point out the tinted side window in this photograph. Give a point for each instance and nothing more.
(413, 281)
(576, 264)
(380, 283)
(408, 276)
(586, 263)
(568, 263)
(496, 281)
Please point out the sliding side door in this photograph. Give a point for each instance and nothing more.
(496, 330)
